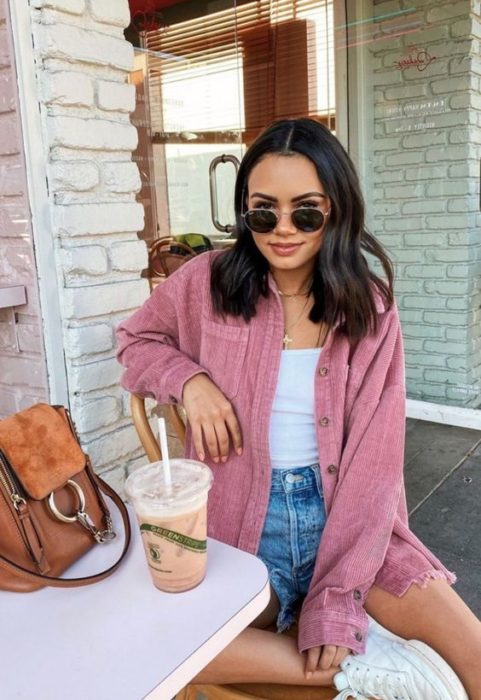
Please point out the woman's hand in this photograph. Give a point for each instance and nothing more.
(212, 419)
(324, 658)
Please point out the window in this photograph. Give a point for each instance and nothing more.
(212, 80)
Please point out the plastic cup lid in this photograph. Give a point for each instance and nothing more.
(190, 480)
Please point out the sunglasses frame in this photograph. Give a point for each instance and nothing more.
(278, 217)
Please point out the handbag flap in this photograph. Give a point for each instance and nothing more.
(41, 448)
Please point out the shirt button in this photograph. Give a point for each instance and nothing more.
(324, 371)
(324, 421)
(358, 637)
(357, 595)
(332, 469)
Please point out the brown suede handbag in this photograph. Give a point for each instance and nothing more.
(52, 510)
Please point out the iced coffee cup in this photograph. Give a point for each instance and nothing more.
(173, 521)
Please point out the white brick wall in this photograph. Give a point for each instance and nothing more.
(67, 88)
(77, 176)
(102, 300)
(88, 340)
(113, 12)
(129, 256)
(98, 219)
(424, 198)
(75, 44)
(115, 97)
(89, 259)
(91, 134)
(75, 7)
(121, 177)
(82, 65)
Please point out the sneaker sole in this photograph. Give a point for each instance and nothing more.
(431, 658)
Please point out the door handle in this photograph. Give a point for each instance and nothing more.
(214, 204)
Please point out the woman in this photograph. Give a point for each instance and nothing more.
(286, 353)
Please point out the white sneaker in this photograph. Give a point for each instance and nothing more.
(395, 669)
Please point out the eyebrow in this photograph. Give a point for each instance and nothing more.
(294, 199)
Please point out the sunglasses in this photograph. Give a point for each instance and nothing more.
(305, 219)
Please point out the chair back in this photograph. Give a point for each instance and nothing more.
(166, 255)
(144, 431)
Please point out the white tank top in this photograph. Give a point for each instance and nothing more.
(292, 434)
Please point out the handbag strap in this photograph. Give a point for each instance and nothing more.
(84, 580)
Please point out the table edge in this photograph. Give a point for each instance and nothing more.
(176, 680)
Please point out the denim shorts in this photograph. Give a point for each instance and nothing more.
(290, 539)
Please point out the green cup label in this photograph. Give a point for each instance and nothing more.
(176, 537)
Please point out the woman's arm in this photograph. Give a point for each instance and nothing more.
(366, 500)
(158, 354)
(160, 345)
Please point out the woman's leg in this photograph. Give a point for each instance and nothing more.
(260, 656)
(437, 616)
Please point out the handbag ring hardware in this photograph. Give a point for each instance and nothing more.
(81, 516)
(81, 499)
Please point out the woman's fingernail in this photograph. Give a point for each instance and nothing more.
(309, 675)
(224, 459)
(216, 459)
(201, 456)
(239, 451)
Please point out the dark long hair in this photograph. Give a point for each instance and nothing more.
(343, 285)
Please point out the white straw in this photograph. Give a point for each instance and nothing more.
(165, 452)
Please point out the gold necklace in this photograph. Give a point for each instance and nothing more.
(297, 294)
(287, 339)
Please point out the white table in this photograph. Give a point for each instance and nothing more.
(122, 639)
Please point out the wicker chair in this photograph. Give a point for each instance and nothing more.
(242, 691)
(166, 255)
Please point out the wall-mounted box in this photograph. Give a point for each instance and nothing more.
(12, 296)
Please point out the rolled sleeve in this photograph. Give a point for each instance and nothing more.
(149, 341)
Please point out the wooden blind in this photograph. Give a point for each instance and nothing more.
(226, 75)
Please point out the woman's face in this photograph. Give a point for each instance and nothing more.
(283, 184)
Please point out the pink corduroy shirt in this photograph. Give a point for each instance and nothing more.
(360, 416)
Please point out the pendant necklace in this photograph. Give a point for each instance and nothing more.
(287, 339)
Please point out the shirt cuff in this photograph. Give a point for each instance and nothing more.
(174, 381)
(320, 627)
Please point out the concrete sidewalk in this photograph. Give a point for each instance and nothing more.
(443, 484)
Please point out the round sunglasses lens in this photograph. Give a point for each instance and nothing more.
(308, 220)
(261, 220)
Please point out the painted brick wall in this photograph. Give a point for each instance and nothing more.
(424, 157)
(82, 64)
(23, 378)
